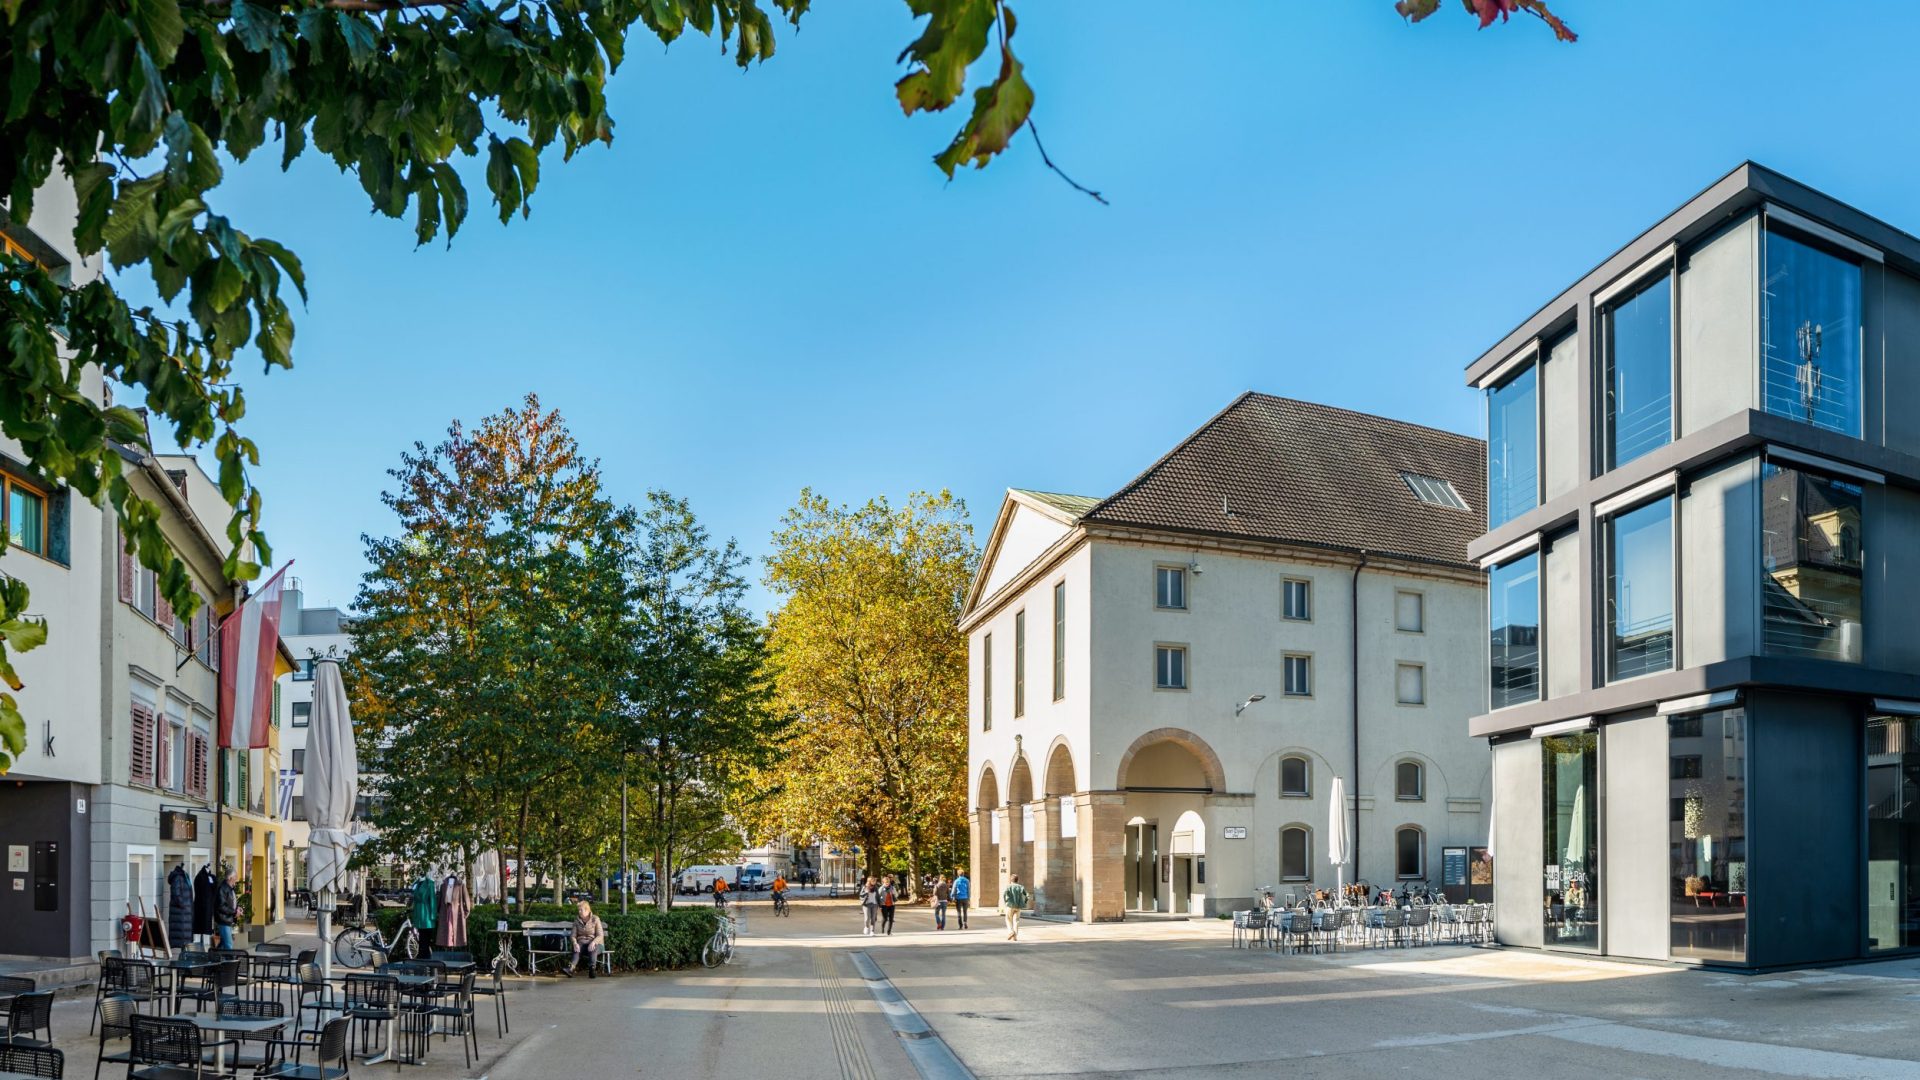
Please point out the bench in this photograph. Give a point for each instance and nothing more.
(547, 939)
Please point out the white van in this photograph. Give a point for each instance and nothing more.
(700, 879)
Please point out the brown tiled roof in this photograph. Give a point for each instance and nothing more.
(1276, 469)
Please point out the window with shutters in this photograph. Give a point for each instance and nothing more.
(140, 740)
(197, 778)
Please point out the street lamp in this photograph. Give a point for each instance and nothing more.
(1243, 706)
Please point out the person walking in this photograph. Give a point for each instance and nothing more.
(962, 893)
(226, 908)
(870, 905)
(1011, 902)
(889, 896)
(589, 937)
(942, 893)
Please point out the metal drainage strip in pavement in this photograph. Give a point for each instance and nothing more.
(847, 1047)
(928, 1052)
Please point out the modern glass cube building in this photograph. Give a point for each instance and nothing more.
(1703, 565)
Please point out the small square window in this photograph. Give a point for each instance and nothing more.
(1410, 683)
(1296, 595)
(1410, 612)
(1170, 587)
(302, 712)
(1299, 675)
(1170, 667)
(300, 761)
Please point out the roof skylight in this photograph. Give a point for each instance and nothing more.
(1434, 491)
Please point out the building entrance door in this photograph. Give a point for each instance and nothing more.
(1893, 831)
(1143, 866)
(1180, 890)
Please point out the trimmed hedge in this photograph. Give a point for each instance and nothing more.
(644, 939)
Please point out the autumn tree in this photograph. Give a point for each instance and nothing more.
(490, 635)
(868, 655)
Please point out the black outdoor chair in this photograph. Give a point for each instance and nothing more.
(167, 1048)
(372, 999)
(115, 1013)
(42, 1061)
(243, 1009)
(27, 1014)
(457, 1006)
(128, 978)
(329, 1047)
(242, 955)
(497, 990)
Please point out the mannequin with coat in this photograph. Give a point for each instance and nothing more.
(179, 908)
(426, 910)
(454, 909)
(206, 893)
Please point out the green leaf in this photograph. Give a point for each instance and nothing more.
(13, 733)
(502, 179)
(999, 109)
(24, 634)
(132, 225)
(255, 25)
(288, 262)
(160, 27)
(149, 96)
(191, 162)
(359, 33)
(955, 36)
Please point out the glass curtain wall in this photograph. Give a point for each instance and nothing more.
(1513, 447)
(1707, 771)
(1570, 804)
(1513, 614)
(1639, 372)
(1893, 832)
(1810, 334)
(1640, 591)
(1810, 562)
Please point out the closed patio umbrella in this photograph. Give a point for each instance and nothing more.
(333, 786)
(1337, 845)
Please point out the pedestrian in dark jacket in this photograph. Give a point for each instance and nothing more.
(889, 896)
(226, 910)
(179, 908)
(870, 905)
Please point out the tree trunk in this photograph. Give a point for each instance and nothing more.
(913, 862)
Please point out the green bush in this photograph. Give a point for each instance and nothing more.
(644, 939)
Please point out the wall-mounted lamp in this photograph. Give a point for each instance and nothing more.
(1243, 706)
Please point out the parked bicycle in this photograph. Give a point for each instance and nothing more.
(719, 949)
(356, 946)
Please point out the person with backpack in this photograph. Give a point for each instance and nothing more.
(1011, 902)
(962, 892)
(870, 905)
(889, 896)
(942, 893)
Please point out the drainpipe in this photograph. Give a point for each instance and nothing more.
(1355, 787)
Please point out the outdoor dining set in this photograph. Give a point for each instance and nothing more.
(1328, 927)
(269, 1012)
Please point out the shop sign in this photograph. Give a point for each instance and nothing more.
(1453, 866)
(1234, 832)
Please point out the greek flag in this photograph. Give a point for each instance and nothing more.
(285, 801)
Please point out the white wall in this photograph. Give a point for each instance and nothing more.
(1027, 533)
(1046, 720)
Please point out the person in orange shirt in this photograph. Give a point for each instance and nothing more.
(719, 892)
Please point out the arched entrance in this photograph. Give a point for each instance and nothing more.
(1167, 775)
(1058, 891)
(1017, 834)
(986, 838)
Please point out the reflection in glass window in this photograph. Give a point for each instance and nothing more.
(1810, 561)
(1640, 591)
(1513, 448)
(1569, 802)
(1708, 835)
(1639, 379)
(1810, 335)
(1893, 832)
(1513, 615)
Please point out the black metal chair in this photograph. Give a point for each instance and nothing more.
(168, 1048)
(497, 990)
(244, 1009)
(115, 1013)
(246, 963)
(329, 1046)
(372, 999)
(42, 1061)
(129, 978)
(26, 1014)
(456, 1006)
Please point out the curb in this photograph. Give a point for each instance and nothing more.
(929, 1053)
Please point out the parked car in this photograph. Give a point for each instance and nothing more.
(754, 878)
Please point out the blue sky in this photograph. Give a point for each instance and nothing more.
(764, 284)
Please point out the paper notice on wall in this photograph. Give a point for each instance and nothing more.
(16, 858)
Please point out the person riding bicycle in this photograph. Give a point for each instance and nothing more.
(719, 892)
(779, 888)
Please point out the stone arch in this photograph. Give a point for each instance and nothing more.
(987, 790)
(1019, 782)
(1438, 786)
(1060, 778)
(1210, 767)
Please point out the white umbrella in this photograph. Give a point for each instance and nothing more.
(333, 786)
(1337, 835)
(1577, 829)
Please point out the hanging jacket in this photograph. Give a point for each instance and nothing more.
(454, 909)
(205, 895)
(179, 908)
(426, 905)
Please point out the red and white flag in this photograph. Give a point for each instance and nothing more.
(249, 638)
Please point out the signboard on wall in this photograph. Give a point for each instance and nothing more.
(16, 858)
(1453, 866)
(1234, 832)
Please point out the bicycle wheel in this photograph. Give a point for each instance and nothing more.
(355, 946)
(410, 944)
(711, 955)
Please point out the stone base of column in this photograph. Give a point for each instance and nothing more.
(1099, 855)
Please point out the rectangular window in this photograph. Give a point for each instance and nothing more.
(1059, 641)
(1708, 788)
(1298, 672)
(1296, 847)
(1170, 667)
(986, 682)
(1409, 782)
(1639, 372)
(302, 712)
(1810, 565)
(1296, 599)
(1640, 591)
(1570, 809)
(179, 756)
(1810, 334)
(1170, 587)
(146, 591)
(299, 761)
(1513, 447)
(1019, 664)
(26, 509)
(303, 671)
(1513, 619)
(1410, 683)
(1296, 778)
(1409, 854)
(1409, 612)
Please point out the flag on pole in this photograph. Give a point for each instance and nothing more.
(248, 640)
(286, 795)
